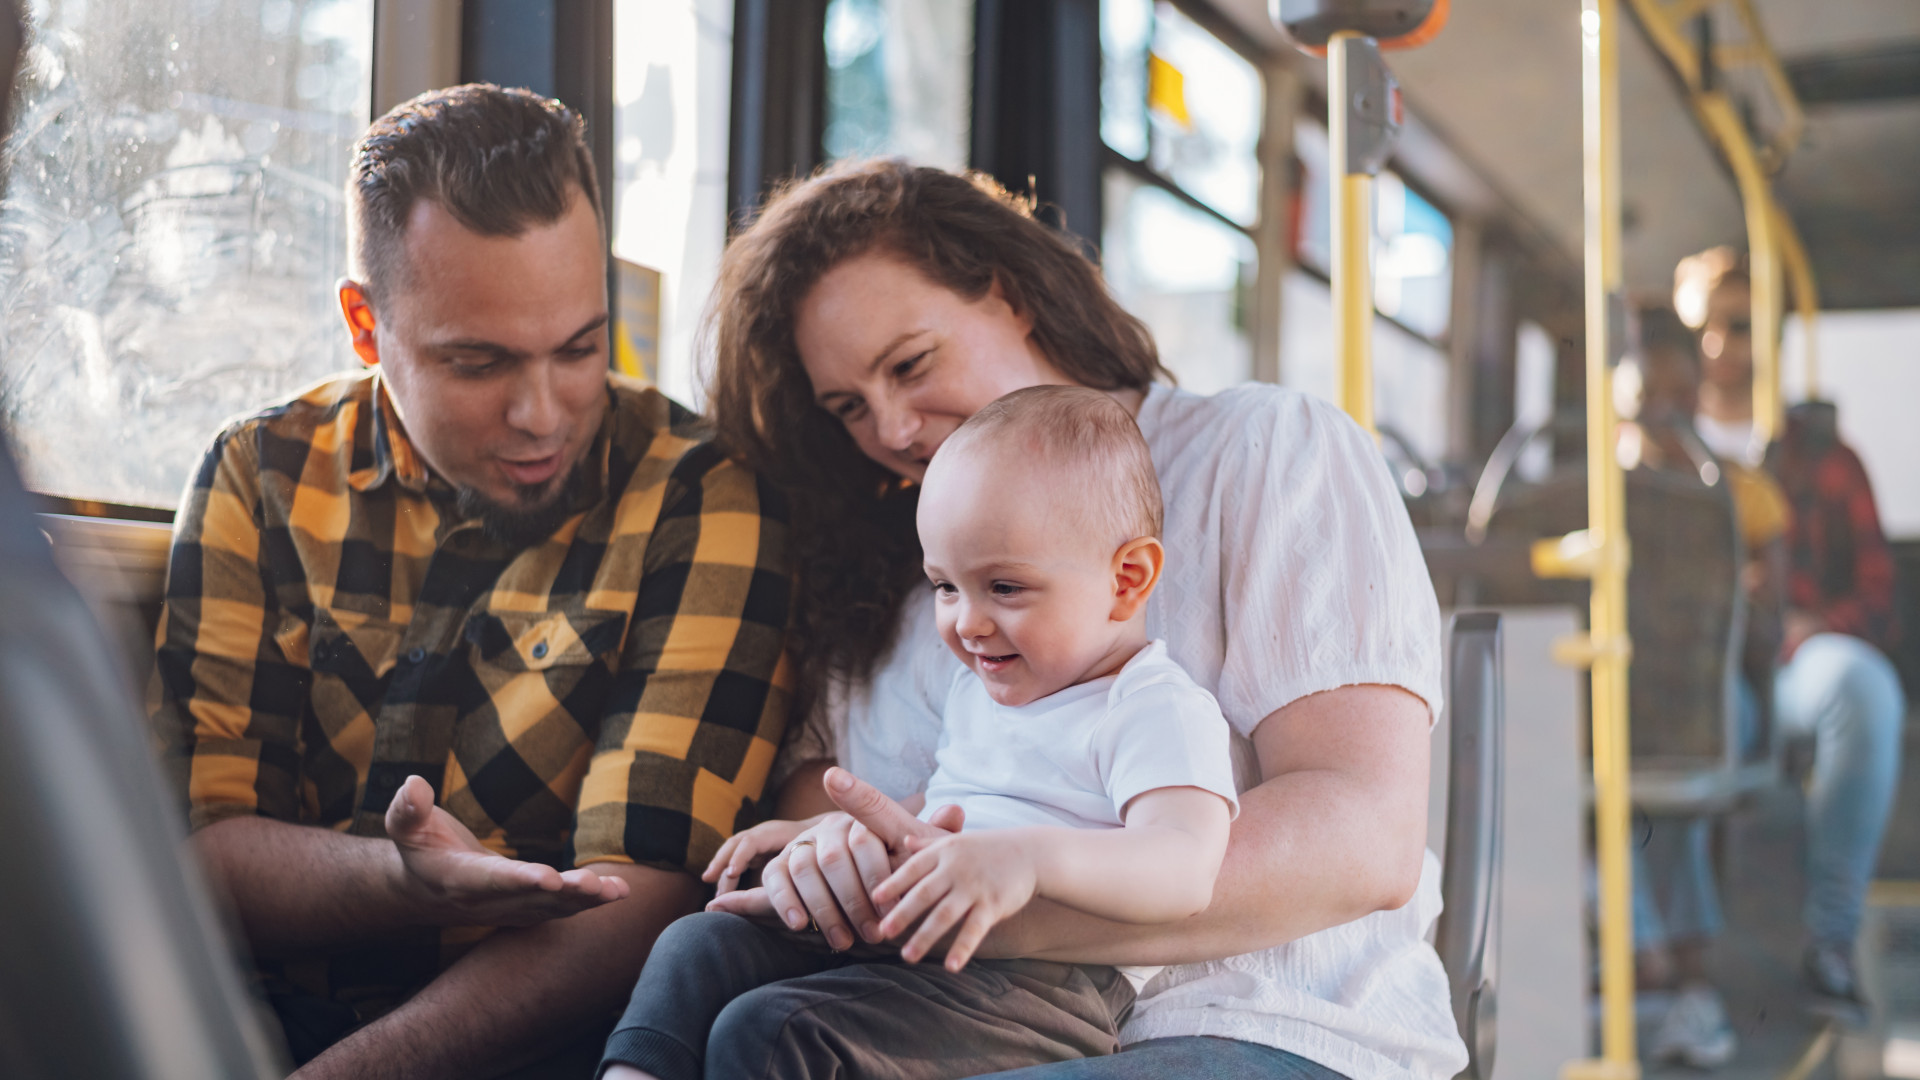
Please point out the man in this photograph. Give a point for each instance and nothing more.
(1834, 683)
(466, 657)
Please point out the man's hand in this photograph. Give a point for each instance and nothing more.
(749, 848)
(831, 878)
(968, 881)
(457, 881)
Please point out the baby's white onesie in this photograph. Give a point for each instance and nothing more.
(1077, 757)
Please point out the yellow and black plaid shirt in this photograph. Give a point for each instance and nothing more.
(613, 694)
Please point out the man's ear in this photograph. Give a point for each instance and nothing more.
(1136, 570)
(359, 315)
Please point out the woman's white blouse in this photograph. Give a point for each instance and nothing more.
(1291, 569)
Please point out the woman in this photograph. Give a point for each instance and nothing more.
(862, 318)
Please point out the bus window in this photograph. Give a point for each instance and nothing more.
(1181, 113)
(173, 228)
(1410, 372)
(1180, 101)
(1413, 293)
(1186, 274)
(900, 80)
(673, 60)
(1413, 240)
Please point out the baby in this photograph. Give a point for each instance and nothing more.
(1091, 769)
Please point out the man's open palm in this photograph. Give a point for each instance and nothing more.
(463, 883)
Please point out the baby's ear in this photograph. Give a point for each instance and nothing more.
(1136, 570)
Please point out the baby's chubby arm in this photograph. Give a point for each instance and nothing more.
(1160, 867)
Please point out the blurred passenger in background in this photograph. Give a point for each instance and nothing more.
(1676, 904)
(1834, 682)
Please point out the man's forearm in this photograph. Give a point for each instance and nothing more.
(565, 976)
(302, 887)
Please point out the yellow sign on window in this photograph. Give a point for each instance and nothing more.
(1167, 91)
(636, 321)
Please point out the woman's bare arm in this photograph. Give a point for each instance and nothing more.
(1336, 832)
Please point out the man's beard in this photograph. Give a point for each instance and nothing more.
(539, 511)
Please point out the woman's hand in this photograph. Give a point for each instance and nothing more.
(828, 872)
(747, 849)
(969, 881)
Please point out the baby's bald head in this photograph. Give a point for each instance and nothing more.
(1084, 444)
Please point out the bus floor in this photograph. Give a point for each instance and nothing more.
(1756, 962)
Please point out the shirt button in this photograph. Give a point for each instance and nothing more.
(540, 650)
(416, 654)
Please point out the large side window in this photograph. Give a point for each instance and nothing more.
(1181, 115)
(172, 229)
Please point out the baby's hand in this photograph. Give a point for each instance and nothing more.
(748, 849)
(969, 880)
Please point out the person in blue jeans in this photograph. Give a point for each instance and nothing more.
(1822, 610)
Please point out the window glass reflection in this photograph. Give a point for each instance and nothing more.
(1187, 275)
(900, 80)
(172, 228)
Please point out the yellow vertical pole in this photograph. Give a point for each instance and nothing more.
(1606, 554)
(1352, 241)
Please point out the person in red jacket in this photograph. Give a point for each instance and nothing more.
(1834, 682)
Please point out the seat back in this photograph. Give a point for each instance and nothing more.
(111, 963)
(1468, 937)
(120, 568)
(1686, 615)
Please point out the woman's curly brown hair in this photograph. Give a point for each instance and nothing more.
(856, 555)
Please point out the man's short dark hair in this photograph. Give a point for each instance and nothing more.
(499, 161)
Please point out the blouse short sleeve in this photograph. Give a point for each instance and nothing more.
(1321, 580)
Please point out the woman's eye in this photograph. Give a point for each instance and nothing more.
(908, 366)
(848, 411)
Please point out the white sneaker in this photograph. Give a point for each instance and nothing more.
(1695, 1030)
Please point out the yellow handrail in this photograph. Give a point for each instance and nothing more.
(1772, 244)
(1806, 294)
(1603, 552)
(1756, 198)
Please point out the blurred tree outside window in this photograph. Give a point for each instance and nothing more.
(172, 229)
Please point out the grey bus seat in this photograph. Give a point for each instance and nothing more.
(1686, 615)
(1468, 936)
(112, 963)
(120, 568)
